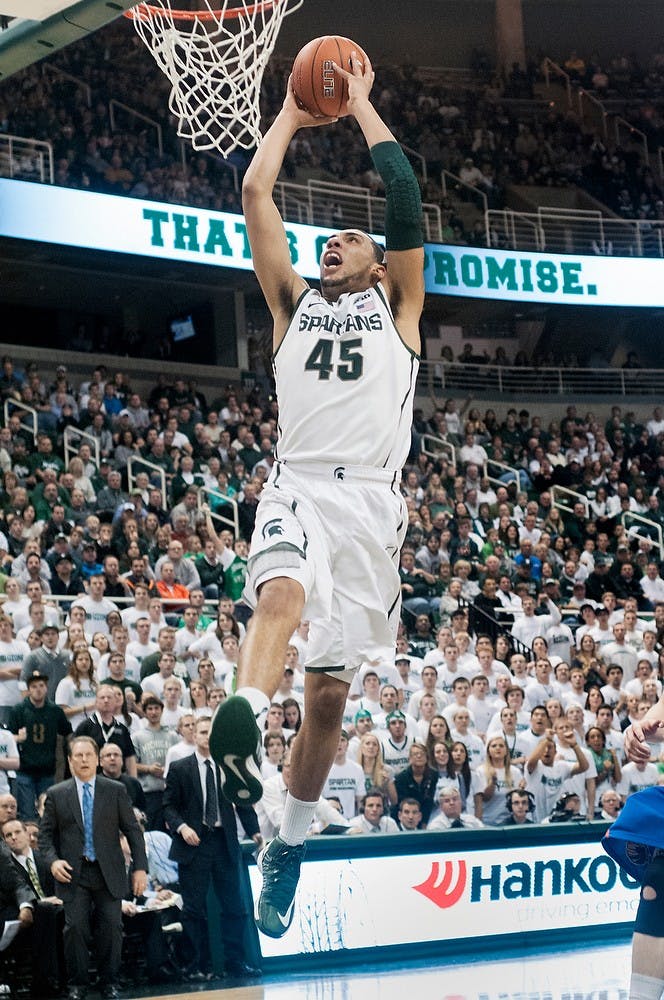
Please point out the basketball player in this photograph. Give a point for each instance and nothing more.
(331, 520)
(636, 841)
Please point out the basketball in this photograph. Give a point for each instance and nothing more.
(318, 89)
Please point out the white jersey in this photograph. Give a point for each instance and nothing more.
(345, 382)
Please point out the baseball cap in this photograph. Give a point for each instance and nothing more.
(602, 610)
(344, 733)
(363, 713)
(36, 675)
(61, 537)
(395, 715)
(124, 413)
(65, 557)
(402, 656)
(587, 604)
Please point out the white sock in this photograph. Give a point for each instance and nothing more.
(645, 987)
(258, 700)
(297, 820)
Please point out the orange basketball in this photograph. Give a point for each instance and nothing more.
(318, 88)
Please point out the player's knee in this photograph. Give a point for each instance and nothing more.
(280, 597)
(326, 702)
(650, 915)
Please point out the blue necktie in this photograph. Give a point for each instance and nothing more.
(89, 846)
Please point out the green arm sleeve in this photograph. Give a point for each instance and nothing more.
(403, 212)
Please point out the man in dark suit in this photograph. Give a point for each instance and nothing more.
(203, 826)
(79, 838)
(48, 915)
(16, 903)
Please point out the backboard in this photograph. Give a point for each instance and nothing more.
(30, 30)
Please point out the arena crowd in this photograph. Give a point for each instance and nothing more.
(528, 630)
(491, 132)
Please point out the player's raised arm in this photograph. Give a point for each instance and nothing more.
(280, 284)
(403, 211)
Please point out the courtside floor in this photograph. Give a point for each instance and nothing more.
(598, 972)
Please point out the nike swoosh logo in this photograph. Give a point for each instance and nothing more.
(285, 920)
(230, 761)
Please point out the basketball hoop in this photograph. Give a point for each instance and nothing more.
(214, 58)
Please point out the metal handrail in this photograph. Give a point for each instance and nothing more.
(70, 447)
(620, 121)
(23, 408)
(508, 469)
(585, 95)
(310, 203)
(476, 193)
(548, 66)
(145, 464)
(583, 231)
(509, 227)
(234, 522)
(217, 159)
(491, 380)
(633, 516)
(439, 445)
(558, 493)
(112, 104)
(42, 150)
(81, 84)
(417, 156)
(497, 627)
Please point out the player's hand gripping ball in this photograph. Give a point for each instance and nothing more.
(318, 88)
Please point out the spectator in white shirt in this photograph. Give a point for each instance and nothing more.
(185, 746)
(451, 817)
(635, 776)
(540, 688)
(345, 780)
(613, 691)
(602, 633)
(372, 818)
(530, 624)
(652, 584)
(655, 425)
(482, 707)
(619, 651)
(470, 452)
(460, 731)
(647, 651)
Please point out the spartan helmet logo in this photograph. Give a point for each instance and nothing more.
(272, 527)
(339, 472)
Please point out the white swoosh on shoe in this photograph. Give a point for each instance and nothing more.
(230, 761)
(285, 920)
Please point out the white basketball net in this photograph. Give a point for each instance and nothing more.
(215, 59)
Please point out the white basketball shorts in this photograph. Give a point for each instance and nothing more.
(338, 531)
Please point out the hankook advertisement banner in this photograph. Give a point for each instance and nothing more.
(382, 901)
